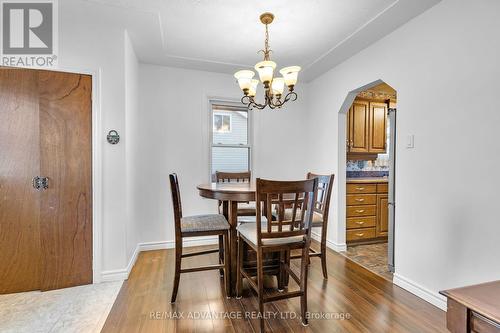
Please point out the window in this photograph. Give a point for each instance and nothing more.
(230, 144)
(222, 123)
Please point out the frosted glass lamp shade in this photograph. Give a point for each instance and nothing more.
(290, 75)
(253, 88)
(278, 85)
(244, 78)
(265, 70)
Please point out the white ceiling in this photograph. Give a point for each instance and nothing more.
(225, 35)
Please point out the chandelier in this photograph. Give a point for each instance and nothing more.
(273, 86)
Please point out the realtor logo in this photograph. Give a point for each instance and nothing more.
(29, 33)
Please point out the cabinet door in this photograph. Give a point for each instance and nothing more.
(358, 127)
(378, 125)
(382, 215)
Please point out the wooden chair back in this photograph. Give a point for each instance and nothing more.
(325, 186)
(300, 196)
(176, 203)
(228, 177)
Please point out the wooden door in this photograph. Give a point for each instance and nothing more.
(382, 215)
(66, 159)
(45, 130)
(19, 163)
(358, 127)
(378, 125)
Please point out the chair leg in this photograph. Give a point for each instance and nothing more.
(286, 276)
(281, 275)
(260, 285)
(239, 266)
(178, 258)
(227, 282)
(303, 285)
(221, 253)
(323, 258)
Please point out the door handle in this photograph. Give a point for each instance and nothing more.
(40, 183)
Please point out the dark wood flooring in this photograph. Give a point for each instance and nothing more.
(353, 299)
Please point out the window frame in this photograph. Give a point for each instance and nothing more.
(249, 145)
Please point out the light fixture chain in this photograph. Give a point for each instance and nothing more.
(266, 44)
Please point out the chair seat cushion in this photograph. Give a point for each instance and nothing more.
(249, 231)
(209, 222)
(317, 217)
(246, 209)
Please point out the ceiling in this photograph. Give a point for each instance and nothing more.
(225, 35)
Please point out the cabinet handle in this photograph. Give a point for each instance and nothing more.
(360, 222)
(361, 234)
(360, 188)
(360, 210)
(360, 199)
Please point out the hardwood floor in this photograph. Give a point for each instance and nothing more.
(356, 299)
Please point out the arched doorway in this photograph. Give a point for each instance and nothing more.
(367, 141)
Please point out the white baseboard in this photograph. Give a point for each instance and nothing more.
(122, 274)
(330, 244)
(428, 295)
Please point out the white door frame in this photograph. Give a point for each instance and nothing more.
(342, 156)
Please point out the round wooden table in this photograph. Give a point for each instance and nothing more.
(230, 194)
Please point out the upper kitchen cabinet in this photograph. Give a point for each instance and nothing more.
(366, 130)
(377, 126)
(358, 127)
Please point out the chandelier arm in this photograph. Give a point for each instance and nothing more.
(292, 95)
(247, 100)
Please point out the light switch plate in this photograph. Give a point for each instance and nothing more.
(410, 141)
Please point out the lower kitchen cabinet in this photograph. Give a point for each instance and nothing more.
(367, 211)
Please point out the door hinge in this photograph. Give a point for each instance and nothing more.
(40, 183)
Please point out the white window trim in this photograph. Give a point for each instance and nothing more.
(249, 144)
(223, 115)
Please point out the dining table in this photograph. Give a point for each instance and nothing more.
(230, 194)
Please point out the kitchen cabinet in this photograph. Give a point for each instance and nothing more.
(358, 128)
(382, 214)
(367, 210)
(366, 127)
(377, 128)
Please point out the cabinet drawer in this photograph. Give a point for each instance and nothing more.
(360, 222)
(361, 188)
(382, 188)
(361, 199)
(367, 210)
(481, 324)
(356, 234)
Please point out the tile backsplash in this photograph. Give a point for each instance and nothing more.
(380, 164)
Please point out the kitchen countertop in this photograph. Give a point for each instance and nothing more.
(364, 180)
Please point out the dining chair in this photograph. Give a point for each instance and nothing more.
(279, 236)
(195, 226)
(245, 208)
(320, 216)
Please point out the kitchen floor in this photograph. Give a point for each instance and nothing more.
(82, 309)
(372, 257)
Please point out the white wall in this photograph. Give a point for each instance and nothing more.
(173, 136)
(444, 65)
(92, 45)
(132, 229)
